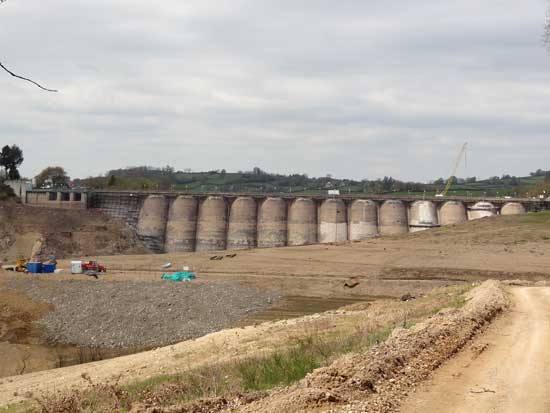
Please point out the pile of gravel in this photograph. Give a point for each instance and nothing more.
(127, 314)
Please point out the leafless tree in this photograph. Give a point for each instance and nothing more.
(21, 77)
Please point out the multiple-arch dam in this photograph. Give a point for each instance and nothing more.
(177, 222)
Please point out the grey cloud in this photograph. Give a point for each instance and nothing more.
(352, 88)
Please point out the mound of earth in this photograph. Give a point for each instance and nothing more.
(28, 230)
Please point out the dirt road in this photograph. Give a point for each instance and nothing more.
(505, 370)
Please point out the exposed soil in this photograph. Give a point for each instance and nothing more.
(504, 370)
(493, 248)
(17, 314)
(298, 306)
(63, 233)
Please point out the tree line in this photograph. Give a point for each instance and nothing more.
(167, 178)
(11, 158)
(254, 180)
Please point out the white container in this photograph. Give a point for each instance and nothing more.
(76, 267)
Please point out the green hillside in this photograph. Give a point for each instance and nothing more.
(258, 181)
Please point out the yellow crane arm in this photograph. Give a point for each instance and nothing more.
(450, 180)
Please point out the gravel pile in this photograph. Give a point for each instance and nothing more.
(127, 314)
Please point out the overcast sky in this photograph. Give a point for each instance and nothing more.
(357, 89)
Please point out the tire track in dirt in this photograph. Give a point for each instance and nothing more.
(505, 370)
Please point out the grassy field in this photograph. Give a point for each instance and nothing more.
(477, 189)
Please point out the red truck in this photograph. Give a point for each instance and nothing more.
(93, 266)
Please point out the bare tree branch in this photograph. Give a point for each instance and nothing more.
(24, 78)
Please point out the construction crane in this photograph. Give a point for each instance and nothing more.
(450, 180)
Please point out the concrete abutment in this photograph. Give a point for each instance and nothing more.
(151, 227)
(452, 212)
(242, 230)
(423, 216)
(272, 223)
(181, 229)
(302, 222)
(393, 218)
(363, 220)
(212, 224)
(333, 221)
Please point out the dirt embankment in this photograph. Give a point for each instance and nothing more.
(63, 233)
(20, 349)
(379, 379)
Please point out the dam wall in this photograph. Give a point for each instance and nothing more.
(181, 223)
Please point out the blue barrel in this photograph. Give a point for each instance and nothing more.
(48, 268)
(34, 267)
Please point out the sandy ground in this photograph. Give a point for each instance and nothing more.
(498, 248)
(510, 374)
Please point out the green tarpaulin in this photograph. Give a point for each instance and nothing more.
(179, 276)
